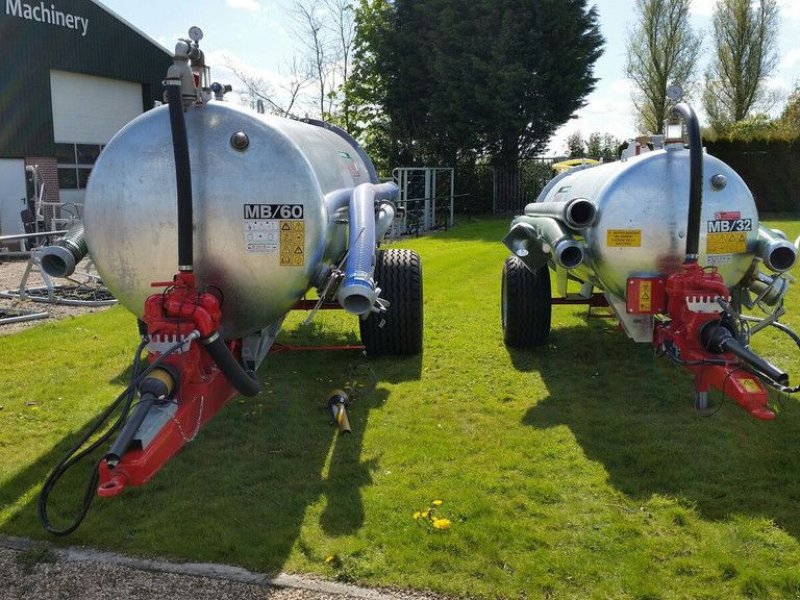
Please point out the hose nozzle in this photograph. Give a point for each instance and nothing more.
(338, 402)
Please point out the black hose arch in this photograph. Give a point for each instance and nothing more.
(183, 175)
(245, 382)
(689, 117)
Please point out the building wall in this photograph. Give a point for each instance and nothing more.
(78, 36)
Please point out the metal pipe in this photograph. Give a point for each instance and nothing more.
(534, 239)
(577, 213)
(24, 236)
(778, 253)
(689, 117)
(183, 175)
(383, 219)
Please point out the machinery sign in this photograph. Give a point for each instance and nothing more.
(276, 229)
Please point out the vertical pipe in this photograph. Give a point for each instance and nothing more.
(183, 175)
(685, 111)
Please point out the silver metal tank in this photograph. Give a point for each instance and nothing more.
(642, 212)
(262, 228)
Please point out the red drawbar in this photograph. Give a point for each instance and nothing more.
(692, 295)
(202, 389)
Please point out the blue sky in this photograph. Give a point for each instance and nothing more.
(258, 36)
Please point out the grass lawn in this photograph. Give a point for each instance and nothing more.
(577, 471)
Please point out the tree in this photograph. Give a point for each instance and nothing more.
(662, 49)
(790, 117)
(308, 15)
(745, 37)
(602, 146)
(326, 30)
(462, 80)
(576, 146)
(342, 27)
(281, 102)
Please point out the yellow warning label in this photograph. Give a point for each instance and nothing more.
(293, 243)
(726, 243)
(750, 385)
(624, 238)
(645, 296)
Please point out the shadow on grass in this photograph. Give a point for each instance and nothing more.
(633, 413)
(242, 492)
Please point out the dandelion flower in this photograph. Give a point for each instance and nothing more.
(437, 502)
(417, 515)
(425, 514)
(441, 523)
(330, 558)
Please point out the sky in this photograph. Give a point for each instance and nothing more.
(258, 36)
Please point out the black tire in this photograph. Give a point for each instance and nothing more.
(525, 305)
(398, 331)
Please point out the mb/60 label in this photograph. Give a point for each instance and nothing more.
(276, 229)
(273, 211)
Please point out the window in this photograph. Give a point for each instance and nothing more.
(75, 163)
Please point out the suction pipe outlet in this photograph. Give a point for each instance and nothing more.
(60, 259)
(357, 294)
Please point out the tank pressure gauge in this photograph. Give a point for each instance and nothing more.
(195, 34)
(674, 92)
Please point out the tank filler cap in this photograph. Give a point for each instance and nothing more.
(240, 141)
(718, 182)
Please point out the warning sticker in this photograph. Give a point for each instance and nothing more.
(726, 243)
(750, 385)
(261, 236)
(292, 243)
(624, 238)
(276, 229)
(645, 296)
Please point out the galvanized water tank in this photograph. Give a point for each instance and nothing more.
(261, 225)
(642, 212)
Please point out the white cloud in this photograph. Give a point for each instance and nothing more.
(248, 5)
(609, 110)
(789, 60)
(790, 9)
(704, 8)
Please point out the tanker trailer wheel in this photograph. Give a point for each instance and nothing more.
(525, 305)
(398, 331)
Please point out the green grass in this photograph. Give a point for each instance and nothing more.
(577, 471)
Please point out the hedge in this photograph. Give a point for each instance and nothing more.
(771, 170)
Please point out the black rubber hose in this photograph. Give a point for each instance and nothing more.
(183, 176)
(61, 258)
(718, 339)
(75, 453)
(245, 382)
(689, 117)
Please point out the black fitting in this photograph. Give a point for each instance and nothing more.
(689, 117)
(183, 175)
(717, 338)
(125, 437)
(245, 382)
